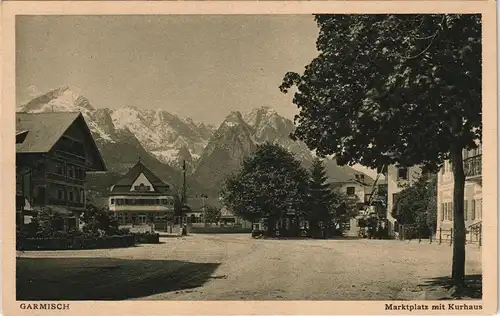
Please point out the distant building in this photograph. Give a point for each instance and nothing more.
(473, 212)
(196, 213)
(369, 196)
(54, 151)
(396, 178)
(142, 198)
(197, 206)
(228, 218)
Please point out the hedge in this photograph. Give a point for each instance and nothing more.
(147, 238)
(75, 243)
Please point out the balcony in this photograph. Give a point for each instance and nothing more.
(141, 208)
(72, 204)
(70, 156)
(473, 168)
(63, 178)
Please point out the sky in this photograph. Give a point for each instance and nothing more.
(198, 66)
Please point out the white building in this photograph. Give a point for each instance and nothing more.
(472, 197)
(141, 198)
(397, 178)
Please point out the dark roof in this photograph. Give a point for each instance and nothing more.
(46, 128)
(341, 174)
(128, 179)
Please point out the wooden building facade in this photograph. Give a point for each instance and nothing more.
(53, 155)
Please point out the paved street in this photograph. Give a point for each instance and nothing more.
(237, 267)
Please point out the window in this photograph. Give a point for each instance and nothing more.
(451, 211)
(122, 219)
(442, 211)
(71, 172)
(70, 195)
(142, 187)
(479, 209)
(402, 173)
(473, 216)
(59, 169)
(60, 194)
(351, 190)
(112, 201)
(466, 209)
(40, 196)
(445, 207)
(82, 196)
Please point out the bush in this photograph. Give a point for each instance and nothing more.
(147, 238)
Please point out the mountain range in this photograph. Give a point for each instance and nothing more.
(163, 140)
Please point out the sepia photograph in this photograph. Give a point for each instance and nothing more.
(251, 157)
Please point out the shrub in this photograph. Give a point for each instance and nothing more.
(147, 238)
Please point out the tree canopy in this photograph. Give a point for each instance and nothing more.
(416, 203)
(270, 183)
(389, 89)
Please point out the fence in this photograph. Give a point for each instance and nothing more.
(473, 235)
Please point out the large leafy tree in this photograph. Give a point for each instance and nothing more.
(395, 89)
(416, 204)
(270, 183)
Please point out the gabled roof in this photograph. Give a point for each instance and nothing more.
(43, 130)
(129, 178)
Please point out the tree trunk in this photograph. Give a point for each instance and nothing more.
(458, 267)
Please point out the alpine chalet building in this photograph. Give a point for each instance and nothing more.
(54, 151)
(142, 198)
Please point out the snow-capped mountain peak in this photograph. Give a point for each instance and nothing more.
(62, 99)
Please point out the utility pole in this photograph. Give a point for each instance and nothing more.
(183, 196)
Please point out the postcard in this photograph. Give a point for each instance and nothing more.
(249, 158)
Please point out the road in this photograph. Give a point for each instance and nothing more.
(237, 267)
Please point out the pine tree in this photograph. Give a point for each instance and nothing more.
(321, 198)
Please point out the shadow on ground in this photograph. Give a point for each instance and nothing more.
(105, 278)
(473, 286)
